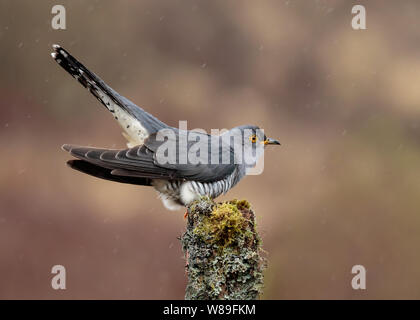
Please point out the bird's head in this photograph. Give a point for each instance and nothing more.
(255, 135)
(253, 142)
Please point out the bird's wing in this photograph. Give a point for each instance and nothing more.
(116, 160)
(136, 122)
(141, 162)
(215, 167)
(104, 173)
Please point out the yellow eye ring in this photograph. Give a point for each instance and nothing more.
(253, 138)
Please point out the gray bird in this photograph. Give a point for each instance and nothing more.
(177, 182)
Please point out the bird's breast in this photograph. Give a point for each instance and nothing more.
(185, 192)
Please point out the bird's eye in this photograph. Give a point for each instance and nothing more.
(253, 138)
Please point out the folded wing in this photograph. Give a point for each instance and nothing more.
(142, 162)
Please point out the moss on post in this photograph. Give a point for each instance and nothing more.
(223, 251)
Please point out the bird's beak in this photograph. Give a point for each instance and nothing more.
(271, 141)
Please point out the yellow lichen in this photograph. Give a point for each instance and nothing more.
(223, 225)
(241, 204)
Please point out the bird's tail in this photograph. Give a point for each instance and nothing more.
(125, 112)
(88, 79)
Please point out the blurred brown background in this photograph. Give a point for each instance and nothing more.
(342, 190)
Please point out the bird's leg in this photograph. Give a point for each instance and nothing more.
(186, 214)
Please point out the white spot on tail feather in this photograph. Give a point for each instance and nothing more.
(134, 132)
